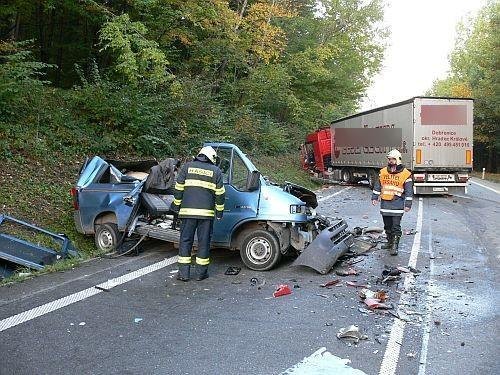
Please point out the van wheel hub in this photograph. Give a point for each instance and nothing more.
(259, 249)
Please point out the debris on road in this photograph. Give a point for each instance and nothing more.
(137, 320)
(347, 271)
(391, 271)
(373, 303)
(361, 245)
(394, 273)
(330, 283)
(255, 282)
(380, 295)
(232, 271)
(365, 311)
(355, 284)
(282, 290)
(351, 332)
(410, 232)
(375, 300)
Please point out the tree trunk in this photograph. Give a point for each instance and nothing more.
(41, 33)
(59, 58)
(489, 163)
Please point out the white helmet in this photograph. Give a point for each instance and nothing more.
(394, 154)
(210, 153)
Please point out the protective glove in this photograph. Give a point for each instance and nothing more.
(174, 208)
(219, 214)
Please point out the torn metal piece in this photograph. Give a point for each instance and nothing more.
(327, 248)
(351, 332)
(28, 254)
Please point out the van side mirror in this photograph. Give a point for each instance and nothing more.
(253, 181)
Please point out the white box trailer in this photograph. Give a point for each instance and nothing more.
(434, 136)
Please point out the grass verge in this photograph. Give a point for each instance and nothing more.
(493, 177)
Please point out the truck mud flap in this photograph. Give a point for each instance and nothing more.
(327, 248)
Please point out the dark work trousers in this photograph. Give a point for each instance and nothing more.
(392, 225)
(203, 227)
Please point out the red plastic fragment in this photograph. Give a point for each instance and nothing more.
(282, 290)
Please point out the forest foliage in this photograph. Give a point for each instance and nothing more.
(159, 77)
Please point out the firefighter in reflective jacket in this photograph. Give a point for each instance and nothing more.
(394, 189)
(198, 197)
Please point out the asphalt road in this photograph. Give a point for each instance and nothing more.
(147, 323)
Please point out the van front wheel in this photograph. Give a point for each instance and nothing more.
(260, 250)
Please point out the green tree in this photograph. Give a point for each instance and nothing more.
(474, 72)
(138, 58)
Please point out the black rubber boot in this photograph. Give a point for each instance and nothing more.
(183, 274)
(201, 272)
(388, 245)
(395, 245)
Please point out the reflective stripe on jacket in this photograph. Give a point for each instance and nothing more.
(199, 190)
(392, 183)
(395, 191)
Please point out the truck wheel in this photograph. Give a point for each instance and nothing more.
(260, 250)
(372, 177)
(106, 236)
(346, 175)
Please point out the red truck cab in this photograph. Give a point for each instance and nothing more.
(316, 151)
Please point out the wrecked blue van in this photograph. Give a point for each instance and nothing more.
(261, 220)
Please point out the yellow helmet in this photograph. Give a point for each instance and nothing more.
(394, 154)
(210, 153)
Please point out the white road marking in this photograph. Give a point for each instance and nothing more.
(86, 276)
(428, 310)
(334, 194)
(391, 355)
(83, 294)
(323, 362)
(484, 186)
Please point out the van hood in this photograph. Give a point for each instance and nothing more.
(305, 195)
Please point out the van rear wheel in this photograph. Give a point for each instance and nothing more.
(106, 236)
(260, 250)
